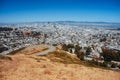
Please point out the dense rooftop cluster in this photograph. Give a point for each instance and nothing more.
(54, 33)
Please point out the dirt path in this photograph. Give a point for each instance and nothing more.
(50, 49)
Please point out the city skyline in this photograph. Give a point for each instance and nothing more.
(59, 10)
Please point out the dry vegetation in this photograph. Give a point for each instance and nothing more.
(57, 65)
(63, 57)
(4, 57)
(29, 50)
(68, 58)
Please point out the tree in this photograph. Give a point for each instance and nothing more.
(77, 48)
(114, 65)
(64, 47)
(104, 64)
(80, 55)
(110, 54)
(88, 51)
(70, 45)
(118, 66)
(103, 40)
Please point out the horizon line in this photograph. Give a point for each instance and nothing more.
(57, 21)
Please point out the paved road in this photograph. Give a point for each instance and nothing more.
(50, 49)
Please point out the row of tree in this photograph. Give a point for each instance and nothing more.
(110, 54)
(78, 50)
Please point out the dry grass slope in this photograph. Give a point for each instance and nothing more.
(63, 57)
(57, 65)
(68, 58)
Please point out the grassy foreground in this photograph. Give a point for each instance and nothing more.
(57, 65)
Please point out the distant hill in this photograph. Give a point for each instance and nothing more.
(75, 23)
(86, 22)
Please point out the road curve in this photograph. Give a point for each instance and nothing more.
(50, 49)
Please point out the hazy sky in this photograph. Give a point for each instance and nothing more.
(59, 10)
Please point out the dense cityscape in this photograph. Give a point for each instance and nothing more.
(59, 39)
(92, 39)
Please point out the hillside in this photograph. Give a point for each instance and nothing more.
(57, 65)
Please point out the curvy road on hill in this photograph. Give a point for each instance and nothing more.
(50, 49)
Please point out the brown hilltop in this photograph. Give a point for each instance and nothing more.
(57, 65)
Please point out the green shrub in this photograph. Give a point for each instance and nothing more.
(114, 65)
